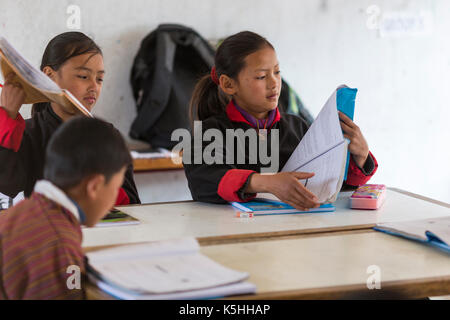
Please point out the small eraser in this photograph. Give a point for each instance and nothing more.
(244, 214)
(368, 196)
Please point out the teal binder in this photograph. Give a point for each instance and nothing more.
(345, 101)
(265, 207)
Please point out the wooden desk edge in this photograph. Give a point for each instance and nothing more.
(156, 164)
(417, 196)
(399, 289)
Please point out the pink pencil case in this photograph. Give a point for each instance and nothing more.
(368, 196)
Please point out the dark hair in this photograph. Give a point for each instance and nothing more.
(208, 99)
(82, 147)
(62, 48)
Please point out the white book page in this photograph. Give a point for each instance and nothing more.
(328, 173)
(164, 274)
(440, 227)
(157, 248)
(324, 134)
(220, 291)
(26, 69)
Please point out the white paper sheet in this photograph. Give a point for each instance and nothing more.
(323, 151)
(161, 267)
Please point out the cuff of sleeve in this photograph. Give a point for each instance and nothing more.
(369, 166)
(122, 198)
(11, 130)
(358, 176)
(246, 196)
(233, 183)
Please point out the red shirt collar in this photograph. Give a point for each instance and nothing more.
(235, 116)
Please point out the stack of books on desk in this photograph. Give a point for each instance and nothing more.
(163, 270)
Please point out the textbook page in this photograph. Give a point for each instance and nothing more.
(150, 249)
(215, 292)
(36, 77)
(170, 271)
(324, 134)
(320, 151)
(38, 87)
(329, 171)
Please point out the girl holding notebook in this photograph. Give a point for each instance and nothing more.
(242, 92)
(74, 62)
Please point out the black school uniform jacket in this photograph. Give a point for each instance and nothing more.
(221, 183)
(22, 154)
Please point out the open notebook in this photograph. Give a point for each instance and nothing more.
(173, 269)
(434, 232)
(323, 149)
(37, 86)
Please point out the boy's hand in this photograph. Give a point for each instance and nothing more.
(287, 188)
(12, 97)
(358, 146)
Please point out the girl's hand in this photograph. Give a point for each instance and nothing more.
(12, 97)
(286, 187)
(358, 146)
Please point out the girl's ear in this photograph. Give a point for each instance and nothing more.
(49, 72)
(227, 84)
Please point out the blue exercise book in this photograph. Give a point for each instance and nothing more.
(433, 232)
(264, 207)
(345, 101)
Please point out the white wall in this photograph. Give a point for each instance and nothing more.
(404, 82)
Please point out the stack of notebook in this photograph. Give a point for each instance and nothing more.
(163, 270)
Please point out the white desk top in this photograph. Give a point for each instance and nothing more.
(202, 220)
(318, 262)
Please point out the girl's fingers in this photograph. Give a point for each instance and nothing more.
(298, 199)
(346, 128)
(348, 137)
(303, 175)
(10, 76)
(346, 120)
(306, 193)
(307, 198)
(296, 205)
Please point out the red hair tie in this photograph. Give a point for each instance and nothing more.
(214, 75)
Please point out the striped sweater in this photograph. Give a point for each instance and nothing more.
(39, 240)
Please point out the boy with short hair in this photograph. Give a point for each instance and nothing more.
(40, 237)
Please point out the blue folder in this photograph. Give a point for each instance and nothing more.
(432, 239)
(345, 101)
(265, 207)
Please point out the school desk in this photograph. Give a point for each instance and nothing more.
(336, 265)
(218, 223)
(159, 180)
(143, 164)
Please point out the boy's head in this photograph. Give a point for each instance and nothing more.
(87, 159)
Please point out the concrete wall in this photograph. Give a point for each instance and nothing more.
(403, 81)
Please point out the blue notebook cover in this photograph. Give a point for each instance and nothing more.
(345, 101)
(266, 207)
(432, 239)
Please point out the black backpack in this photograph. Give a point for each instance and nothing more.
(169, 63)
